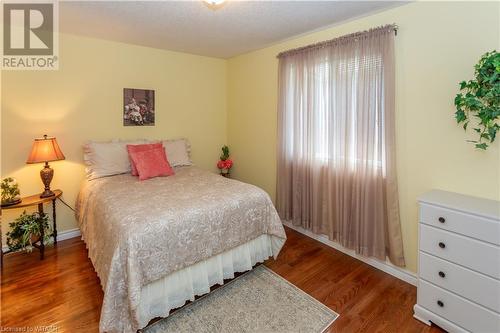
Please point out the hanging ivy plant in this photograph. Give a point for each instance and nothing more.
(479, 100)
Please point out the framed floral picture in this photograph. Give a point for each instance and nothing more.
(138, 107)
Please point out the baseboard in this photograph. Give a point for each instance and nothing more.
(63, 235)
(386, 267)
(67, 234)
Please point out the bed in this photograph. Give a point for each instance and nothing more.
(157, 243)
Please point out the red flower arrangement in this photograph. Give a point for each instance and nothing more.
(225, 163)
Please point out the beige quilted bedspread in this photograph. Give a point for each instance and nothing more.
(139, 231)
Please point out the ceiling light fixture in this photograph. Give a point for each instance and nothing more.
(214, 3)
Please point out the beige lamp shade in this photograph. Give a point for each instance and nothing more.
(45, 149)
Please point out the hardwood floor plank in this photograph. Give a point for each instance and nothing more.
(64, 291)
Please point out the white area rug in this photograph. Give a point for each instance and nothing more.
(258, 301)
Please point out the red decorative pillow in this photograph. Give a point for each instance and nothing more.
(136, 148)
(151, 163)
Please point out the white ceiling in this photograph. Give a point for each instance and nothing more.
(191, 26)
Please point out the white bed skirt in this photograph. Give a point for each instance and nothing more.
(172, 291)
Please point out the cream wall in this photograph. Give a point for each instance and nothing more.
(83, 101)
(213, 101)
(436, 47)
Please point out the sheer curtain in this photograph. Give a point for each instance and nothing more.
(336, 142)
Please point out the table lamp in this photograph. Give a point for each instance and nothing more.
(45, 150)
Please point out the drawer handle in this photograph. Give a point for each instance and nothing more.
(442, 245)
(442, 274)
(440, 303)
(442, 220)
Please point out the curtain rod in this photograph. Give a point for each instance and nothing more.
(387, 27)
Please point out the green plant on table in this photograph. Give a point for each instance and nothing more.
(225, 153)
(479, 100)
(10, 190)
(27, 230)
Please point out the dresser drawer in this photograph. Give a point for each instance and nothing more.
(460, 311)
(465, 224)
(468, 284)
(479, 256)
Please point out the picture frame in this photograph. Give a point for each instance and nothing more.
(138, 107)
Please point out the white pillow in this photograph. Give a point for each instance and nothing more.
(107, 158)
(178, 152)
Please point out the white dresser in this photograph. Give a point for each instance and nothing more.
(459, 263)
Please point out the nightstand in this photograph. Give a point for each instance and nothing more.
(35, 200)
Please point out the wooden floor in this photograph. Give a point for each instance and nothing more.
(63, 292)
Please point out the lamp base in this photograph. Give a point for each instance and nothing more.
(47, 173)
(47, 194)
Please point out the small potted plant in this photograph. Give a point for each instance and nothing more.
(26, 230)
(10, 192)
(225, 164)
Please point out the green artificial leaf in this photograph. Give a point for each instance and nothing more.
(492, 132)
(482, 146)
(460, 116)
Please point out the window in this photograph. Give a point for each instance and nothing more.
(336, 149)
